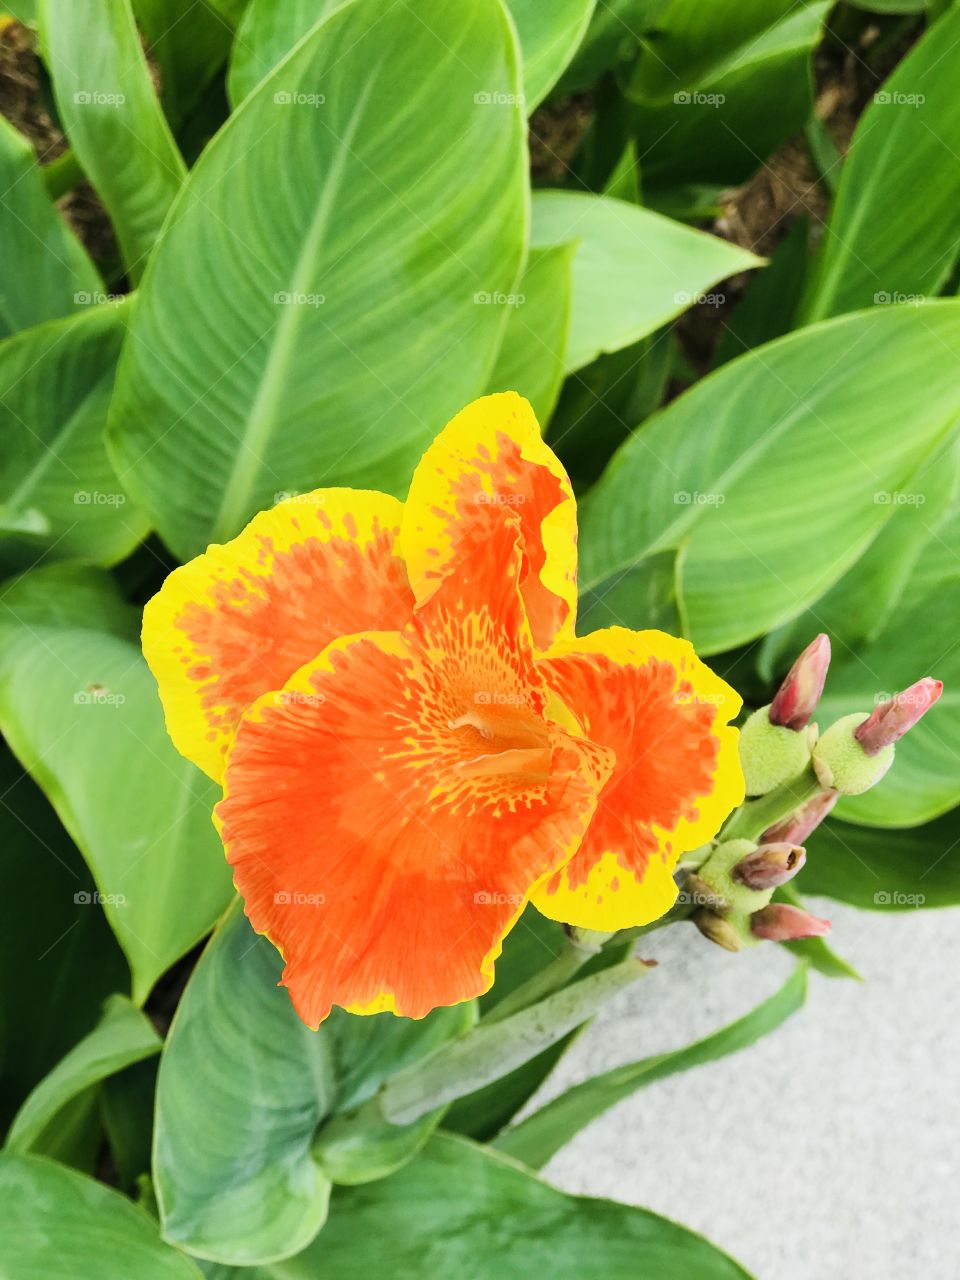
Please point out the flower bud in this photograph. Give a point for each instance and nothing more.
(770, 865)
(797, 827)
(780, 922)
(716, 929)
(797, 697)
(891, 720)
(841, 763)
(770, 754)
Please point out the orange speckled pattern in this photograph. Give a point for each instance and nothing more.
(489, 465)
(389, 811)
(649, 698)
(240, 619)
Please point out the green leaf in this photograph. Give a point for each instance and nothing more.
(767, 308)
(60, 1225)
(532, 357)
(612, 38)
(80, 710)
(881, 869)
(47, 938)
(244, 1087)
(122, 1036)
(266, 34)
(736, 474)
(112, 117)
(633, 269)
(539, 1137)
(59, 494)
(691, 39)
(46, 270)
(723, 129)
(464, 1210)
(334, 328)
(494, 1050)
(189, 40)
(550, 35)
(906, 141)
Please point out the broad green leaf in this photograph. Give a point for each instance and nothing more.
(723, 128)
(80, 710)
(245, 1088)
(804, 434)
(231, 10)
(59, 1225)
(190, 40)
(66, 595)
(906, 141)
(550, 35)
(267, 32)
(766, 310)
(46, 270)
(324, 329)
(532, 357)
(59, 494)
(612, 39)
(883, 869)
(858, 606)
(112, 117)
(536, 1139)
(633, 270)
(48, 935)
(493, 1050)
(121, 1037)
(691, 39)
(466, 1211)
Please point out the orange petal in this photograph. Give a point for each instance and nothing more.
(649, 698)
(488, 463)
(240, 619)
(388, 813)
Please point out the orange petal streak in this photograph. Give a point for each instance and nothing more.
(388, 813)
(240, 619)
(649, 698)
(489, 464)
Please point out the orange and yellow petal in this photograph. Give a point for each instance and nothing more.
(664, 714)
(388, 813)
(240, 619)
(489, 463)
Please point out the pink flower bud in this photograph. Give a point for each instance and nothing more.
(780, 922)
(797, 697)
(891, 720)
(797, 827)
(770, 865)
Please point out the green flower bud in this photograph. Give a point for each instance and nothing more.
(771, 754)
(842, 764)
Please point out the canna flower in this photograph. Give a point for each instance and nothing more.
(412, 742)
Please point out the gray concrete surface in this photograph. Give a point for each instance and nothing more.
(828, 1151)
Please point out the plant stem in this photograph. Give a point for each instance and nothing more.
(752, 818)
(580, 947)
